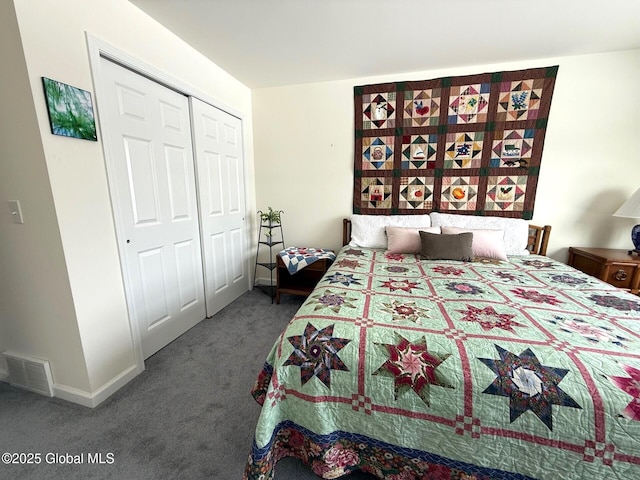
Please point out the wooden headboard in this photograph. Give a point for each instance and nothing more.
(537, 243)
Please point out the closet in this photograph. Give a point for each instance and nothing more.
(176, 178)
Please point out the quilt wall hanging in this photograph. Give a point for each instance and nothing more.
(469, 144)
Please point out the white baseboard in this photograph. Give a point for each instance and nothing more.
(87, 399)
(94, 399)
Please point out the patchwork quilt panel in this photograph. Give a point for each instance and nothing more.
(467, 144)
(414, 369)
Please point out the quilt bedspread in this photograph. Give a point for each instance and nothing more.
(413, 369)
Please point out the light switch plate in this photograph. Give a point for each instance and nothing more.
(16, 212)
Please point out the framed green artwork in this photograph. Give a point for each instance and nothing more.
(70, 110)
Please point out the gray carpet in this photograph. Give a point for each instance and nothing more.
(189, 415)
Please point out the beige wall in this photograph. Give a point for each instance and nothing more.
(589, 167)
(35, 295)
(61, 293)
(83, 243)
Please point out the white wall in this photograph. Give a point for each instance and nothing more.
(53, 38)
(35, 295)
(590, 165)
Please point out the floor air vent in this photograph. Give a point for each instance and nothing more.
(30, 373)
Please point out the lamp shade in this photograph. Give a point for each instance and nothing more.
(630, 208)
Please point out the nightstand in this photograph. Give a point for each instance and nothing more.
(301, 282)
(614, 266)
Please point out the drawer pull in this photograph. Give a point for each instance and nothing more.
(620, 275)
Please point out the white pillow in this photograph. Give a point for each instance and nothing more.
(406, 239)
(368, 230)
(516, 230)
(485, 244)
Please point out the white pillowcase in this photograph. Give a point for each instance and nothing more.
(485, 244)
(406, 239)
(516, 230)
(368, 230)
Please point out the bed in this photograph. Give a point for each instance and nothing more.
(414, 368)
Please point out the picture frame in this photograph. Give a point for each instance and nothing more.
(70, 110)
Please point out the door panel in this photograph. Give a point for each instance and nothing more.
(218, 253)
(234, 182)
(153, 287)
(142, 180)
(178, 183)
(213, 170)
(152, 179)
(218, 147)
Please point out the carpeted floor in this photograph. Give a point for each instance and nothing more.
(189, 415)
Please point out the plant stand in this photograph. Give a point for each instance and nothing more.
(269, 235)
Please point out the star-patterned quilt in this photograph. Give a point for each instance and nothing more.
(414, 369)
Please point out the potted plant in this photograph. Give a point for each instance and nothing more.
(269, 218)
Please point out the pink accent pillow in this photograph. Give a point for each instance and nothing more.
(406, 239)
(486, 243)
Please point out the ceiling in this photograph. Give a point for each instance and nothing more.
(266, 43)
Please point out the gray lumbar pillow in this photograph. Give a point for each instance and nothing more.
(446, 247)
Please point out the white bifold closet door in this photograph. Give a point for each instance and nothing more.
(152, 177)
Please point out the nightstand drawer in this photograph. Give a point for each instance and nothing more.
(620, 275)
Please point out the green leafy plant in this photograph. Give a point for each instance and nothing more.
(270, 217)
